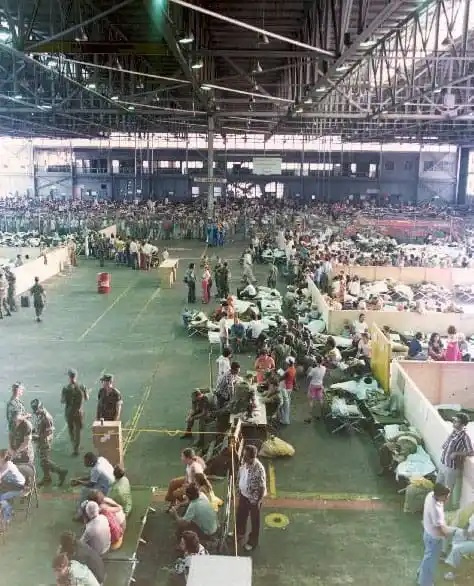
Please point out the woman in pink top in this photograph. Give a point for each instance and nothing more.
(452, 352)
(263, 364)
(206, 278)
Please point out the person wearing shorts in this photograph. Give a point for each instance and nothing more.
(315, 376)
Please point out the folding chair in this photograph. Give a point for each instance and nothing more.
(30, 491)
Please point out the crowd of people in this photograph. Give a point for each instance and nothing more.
(105, 499)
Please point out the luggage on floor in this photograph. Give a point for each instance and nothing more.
(24, 301)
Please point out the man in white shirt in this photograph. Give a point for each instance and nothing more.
(133, 254)
(97, 532)
(359, 326)
(147, 251)
(223, 363)
(223, 333)
(252, 488)
(249, 292)
(434, 530)
(315, 388)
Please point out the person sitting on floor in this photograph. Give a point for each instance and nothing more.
(101, 477)
(12, 484)
(415, 349)
(204, 485)
(201, 411)
(82, 553)
(332, 353)
(108, 505)
(248, 292)
(120, 491)
(435, 347)
(189, 546)
(97, 530)
(199, 516)
(177, 486)
(71, 572)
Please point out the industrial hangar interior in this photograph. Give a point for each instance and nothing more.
(330, 88)
(138, 131)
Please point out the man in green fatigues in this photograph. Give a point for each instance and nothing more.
(39, 298)
(11, 292)
(73, 396)
(218, 277)
(43, 434)
(272, 276)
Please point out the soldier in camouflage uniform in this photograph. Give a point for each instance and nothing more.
(73, 397)
(43, 435)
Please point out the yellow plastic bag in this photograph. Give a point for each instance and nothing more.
(215, 501)
(274, 447)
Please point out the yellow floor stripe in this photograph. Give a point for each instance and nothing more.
(272, 481)
(328, 496)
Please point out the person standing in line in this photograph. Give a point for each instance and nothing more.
(39, 298)
(15, 405)
(272, 276)
(3, 297)
(434, 530)
(252, 484)
(223, 333)
(73, 396)
(190, 280)
(455, 449)
(109, 405)
(225, 276)
(315, 388)
(43, 434)
(11, 293)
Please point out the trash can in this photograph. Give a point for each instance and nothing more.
(103, 283)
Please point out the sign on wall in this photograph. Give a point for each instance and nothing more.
(267, 165)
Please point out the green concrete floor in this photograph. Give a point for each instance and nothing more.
(136, 333)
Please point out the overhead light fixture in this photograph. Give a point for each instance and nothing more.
(342, 68)
(198, 64)
(308, 100)
(157, 98)
(131, 108)
(187, 39)
(263, 39)
(206, 88)
(52, 63)
(45, 107)
(321, 89)
(368, 43)
(298, 109)
(115, 98)
(257, 68)
(17, 97)
(91, 86)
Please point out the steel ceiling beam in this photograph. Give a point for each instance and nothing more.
(98, 48)
(82, 24)
(255, 29)
(164, 27)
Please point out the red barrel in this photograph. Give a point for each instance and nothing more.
(103, 283)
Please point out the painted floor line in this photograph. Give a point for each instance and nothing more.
(102, 315)
(62, 431)
(272, 481)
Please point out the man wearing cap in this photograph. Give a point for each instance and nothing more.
(15, 405)
(109, 405)
(43, 434)
(73, 397)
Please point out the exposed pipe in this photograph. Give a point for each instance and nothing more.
(244, 93)
(255, 29)
(127, 71)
